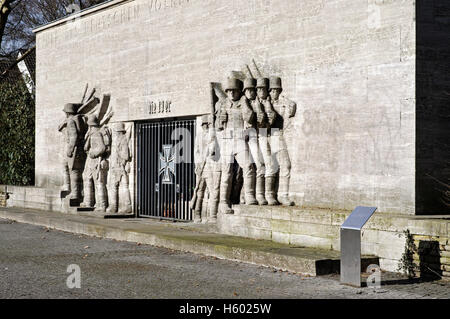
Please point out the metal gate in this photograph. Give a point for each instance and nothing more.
(165, 169)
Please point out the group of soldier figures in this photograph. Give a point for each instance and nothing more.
(91, 151)
(247, 128)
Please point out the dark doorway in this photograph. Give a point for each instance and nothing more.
(165, 169)
(433, 107)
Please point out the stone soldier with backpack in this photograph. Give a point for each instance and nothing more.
(97, 147)
(120, 168)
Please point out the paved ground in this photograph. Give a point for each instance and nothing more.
(34, 261)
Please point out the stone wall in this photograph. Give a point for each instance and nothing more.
(382, 236)
(3, 196)
(35, 198)
(432, 256)
(349, 65)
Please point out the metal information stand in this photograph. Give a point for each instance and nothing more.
(351, 245)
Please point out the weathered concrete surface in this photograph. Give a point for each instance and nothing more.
(349, 65)
(3, 195)
(35, 259)
(382, 236)
(35, 198)
(189, 238)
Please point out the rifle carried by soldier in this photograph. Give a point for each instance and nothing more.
(206, 120)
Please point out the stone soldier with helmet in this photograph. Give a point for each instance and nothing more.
(97, 143)
(208, 172)
(74, 155)
(254, 137)
(284, 109)
(120, 168)
(263, 98)
(234, 117)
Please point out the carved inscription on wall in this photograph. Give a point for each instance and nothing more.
(109, 18)
(160, 107)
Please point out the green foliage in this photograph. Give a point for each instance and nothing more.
(17, 126)
(407, 265)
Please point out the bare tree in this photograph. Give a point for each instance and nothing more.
(18, 18)
(5, 10)
(22, 16)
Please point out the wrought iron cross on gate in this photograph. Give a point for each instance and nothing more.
(167, 164)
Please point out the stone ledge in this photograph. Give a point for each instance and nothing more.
(190, 238)
(320, 228)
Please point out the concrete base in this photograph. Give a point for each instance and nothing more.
(190, 238)
(35, 198)
(319, 228)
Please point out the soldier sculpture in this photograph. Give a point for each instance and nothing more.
(74, 156)
(208, 172)
(120, 168)
(271, 170)
(234, 116)
(284, 109)
(96, 146)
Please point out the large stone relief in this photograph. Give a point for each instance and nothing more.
(97, 146)
(248, 123)
(120, 169)
(208, 173)
(95, 154)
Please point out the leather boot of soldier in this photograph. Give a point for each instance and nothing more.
(66, 185)
(75, 187)
(283, 192)
(88, 200)
(198, 209)
(225, 192)
(212, 218)
(100, 198)
(242, 197)
(114, 200)
(270, 191)
(249, 187)
(126, 209)
(197, 216)
(260, 187)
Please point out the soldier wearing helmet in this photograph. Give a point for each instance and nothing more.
(264, 100)
(120, 169)
(255, 137)
(97, 143)
(208, 173)
(284, 109)
(235, 115)
(74, 157)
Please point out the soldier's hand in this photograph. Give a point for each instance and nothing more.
(271, 116)
(69, 154)
(260, 117)
(104, 165)
(223, 117)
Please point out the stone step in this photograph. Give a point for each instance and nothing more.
(191, 238)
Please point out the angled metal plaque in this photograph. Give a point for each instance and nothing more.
(351, 245)
(359, 217)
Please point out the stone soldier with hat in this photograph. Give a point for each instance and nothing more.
(284, 109)
(234, 117)
(254, 136)
(74, 155)
(208, 172)
(120, 168)
(97, 143)
(263, 99)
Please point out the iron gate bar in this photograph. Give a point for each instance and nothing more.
(168, 201)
